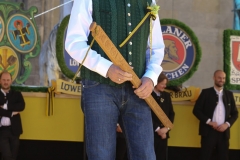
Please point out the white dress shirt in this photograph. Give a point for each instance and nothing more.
(77, 37)
(219, 112)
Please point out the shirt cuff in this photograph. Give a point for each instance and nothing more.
(103, 67)
(209, 120)
(157, 129)
(152, 76)
(228, 124)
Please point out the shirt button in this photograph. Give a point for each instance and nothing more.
(129, 5)
(130, 43)
(129, 14)
(129, 24)
(130, 63)
(130, 53)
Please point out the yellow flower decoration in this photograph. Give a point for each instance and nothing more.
(153, 9)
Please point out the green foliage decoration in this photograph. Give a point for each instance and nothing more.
(227, 57)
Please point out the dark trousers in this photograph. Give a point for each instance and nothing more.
(121, 148)
(215, 140)
(160, 146)
(9, 144)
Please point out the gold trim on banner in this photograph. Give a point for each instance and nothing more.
(237, 98)
(66, 87)
(60, 86)
(186, 94)
(50, 101)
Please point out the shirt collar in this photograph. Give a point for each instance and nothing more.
(3, 91)
(157, 93)
(218, 92)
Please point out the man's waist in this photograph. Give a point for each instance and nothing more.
(126, 84)
(5, 127)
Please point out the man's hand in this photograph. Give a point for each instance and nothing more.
(222, 127)
(14, 113)
(119, 129)
(164, 136)
(145, 88)
(117, 75)
(162, 132)
(214, 125)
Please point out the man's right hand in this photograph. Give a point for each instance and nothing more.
(117, 75)
(14, 113)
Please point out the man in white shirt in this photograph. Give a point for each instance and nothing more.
(216, 110)
(11, 103)
(107, 94)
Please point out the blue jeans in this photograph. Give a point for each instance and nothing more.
(103, 105)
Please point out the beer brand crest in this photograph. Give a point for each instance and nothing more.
(182, 52)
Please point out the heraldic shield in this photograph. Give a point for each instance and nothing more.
(19, 40)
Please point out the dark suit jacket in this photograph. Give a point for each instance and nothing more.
(15, 103)
(205, 106)
(166, 104)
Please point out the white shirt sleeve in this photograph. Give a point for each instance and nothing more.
(153, 68)
(77, 37)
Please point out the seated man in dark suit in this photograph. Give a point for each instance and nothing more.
(11, 103)
(216, 110)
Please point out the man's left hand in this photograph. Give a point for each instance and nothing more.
(145, 88)
(222, 127)
(119, 129)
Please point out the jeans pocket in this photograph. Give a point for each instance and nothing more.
(88, 92)
(89, 83)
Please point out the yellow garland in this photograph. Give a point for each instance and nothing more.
(152, 12)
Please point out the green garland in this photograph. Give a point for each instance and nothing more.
(29, 89)
(227, 57)
(60, 48)
(198, 50)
